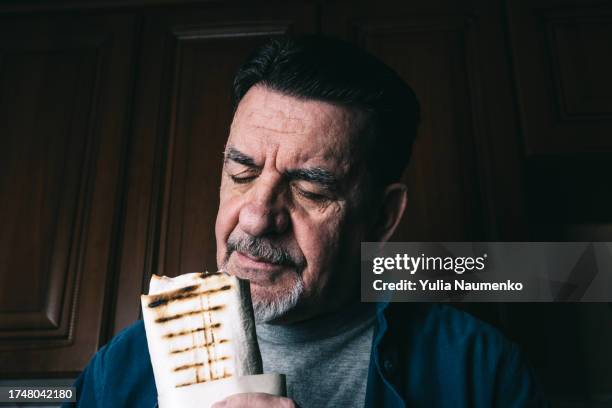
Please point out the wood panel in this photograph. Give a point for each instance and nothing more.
(583, 90)
(44, 151)
(562, 57)
(562, 60)
(444, 200)
(465, 175)
(562, 63)
(64, 83)
(567, 192)
(181, 124)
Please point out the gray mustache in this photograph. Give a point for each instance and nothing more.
(262, 249)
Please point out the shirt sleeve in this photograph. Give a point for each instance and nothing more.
(518, 387)
(90, 384)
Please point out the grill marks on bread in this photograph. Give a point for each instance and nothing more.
(184, 350)
(193, 313)
(209, 324)
(203, 381)
(192, 331)
(194, 365)
(187, 292)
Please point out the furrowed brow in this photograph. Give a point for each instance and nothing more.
(314, 175)
(239, 157)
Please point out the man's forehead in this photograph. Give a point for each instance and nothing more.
(262, 105)
(291, 118)
(272, 118)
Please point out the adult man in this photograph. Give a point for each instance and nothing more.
(321, 134)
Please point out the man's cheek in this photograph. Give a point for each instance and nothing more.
(226, 222)
(221, 239)
(318, 246)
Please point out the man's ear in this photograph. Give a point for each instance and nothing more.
(391, 210)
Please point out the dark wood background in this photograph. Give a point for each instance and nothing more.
(113, 116)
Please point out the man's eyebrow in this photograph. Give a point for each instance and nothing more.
(314, 175)
(239, 157)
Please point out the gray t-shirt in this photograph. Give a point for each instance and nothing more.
(325, 359)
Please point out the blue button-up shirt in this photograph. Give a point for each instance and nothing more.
(423, 355)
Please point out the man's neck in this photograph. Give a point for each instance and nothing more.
(320, 326)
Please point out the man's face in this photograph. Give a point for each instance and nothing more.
(289, 216)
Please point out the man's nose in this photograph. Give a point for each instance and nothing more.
(265, 212)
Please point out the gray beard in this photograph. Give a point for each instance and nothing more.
(270, 310)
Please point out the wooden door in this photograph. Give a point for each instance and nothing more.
(64, 92)
(562, 55)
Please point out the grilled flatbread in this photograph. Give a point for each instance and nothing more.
(200, 329)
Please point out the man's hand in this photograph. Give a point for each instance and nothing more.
(255, 400)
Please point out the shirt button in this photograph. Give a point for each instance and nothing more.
(388, 366)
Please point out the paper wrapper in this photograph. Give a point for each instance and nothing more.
(205, 394)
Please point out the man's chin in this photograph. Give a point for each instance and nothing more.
(274, 305)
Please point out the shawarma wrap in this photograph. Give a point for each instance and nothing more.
(202, 342)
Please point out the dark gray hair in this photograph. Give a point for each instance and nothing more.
(334, 71)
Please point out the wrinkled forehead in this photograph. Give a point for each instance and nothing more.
(296, 131)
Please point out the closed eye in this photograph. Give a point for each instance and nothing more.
(312, 196)
(242, 179)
